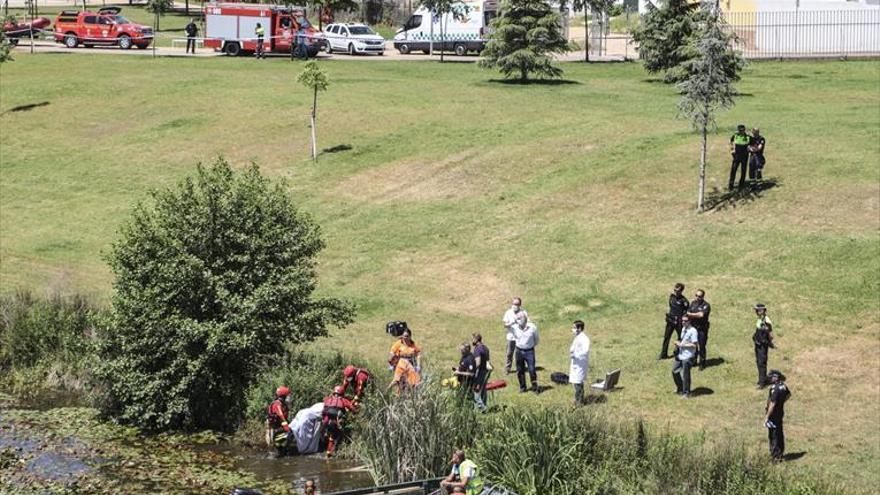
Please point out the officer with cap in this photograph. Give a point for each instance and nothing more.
(678, 306)
(763, 339)
(739, 150)
(775, 412)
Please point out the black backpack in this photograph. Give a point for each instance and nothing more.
(395, 328)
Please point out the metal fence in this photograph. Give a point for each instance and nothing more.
(807, 33)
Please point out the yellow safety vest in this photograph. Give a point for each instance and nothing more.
(475, 483)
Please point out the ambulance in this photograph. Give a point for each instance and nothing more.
(465, 28)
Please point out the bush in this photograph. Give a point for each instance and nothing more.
(45, 343)
(213, 278)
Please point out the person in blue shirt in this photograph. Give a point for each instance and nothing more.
(684, 358)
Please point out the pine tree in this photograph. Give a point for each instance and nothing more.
(523, 39)
(663, 37)
(708, 82)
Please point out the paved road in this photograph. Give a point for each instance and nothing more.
(43, 46)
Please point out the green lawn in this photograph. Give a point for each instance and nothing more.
(450, 193)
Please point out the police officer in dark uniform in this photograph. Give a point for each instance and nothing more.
(756, 155)
(698, 312)
(739, 150)
(775, 412)
(763, 339)
(191, 32)
(678, 306)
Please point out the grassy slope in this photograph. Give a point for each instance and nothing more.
(458, 192)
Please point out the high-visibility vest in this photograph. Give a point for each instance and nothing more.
(741, 139)
(475, 483)
(261, 31)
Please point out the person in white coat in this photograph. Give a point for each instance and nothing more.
(509, 321)
(580, 361)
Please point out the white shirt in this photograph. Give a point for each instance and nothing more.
(580, 358)
(527, 337)
(509, 320)
(689, 334)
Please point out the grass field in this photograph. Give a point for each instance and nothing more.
(446, 193)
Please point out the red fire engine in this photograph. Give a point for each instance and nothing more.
(230, 27)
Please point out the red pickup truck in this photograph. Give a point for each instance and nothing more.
(105, 27)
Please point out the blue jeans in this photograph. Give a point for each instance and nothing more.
(524, 358)
(681, 373)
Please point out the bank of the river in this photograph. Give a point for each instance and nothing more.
(69, 450)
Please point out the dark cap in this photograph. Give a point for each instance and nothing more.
(741, 127)
(760, 307)
(776, 373)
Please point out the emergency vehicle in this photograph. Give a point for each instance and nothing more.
(105, 27)
(229, 27)
(465, 28)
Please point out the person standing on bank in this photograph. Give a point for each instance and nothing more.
(260, 33)
(509, 321)
(739, 151)
(775, 412)
(684, 358)
(191, 32)
(526, 339)
(481, 358)
(678, 306)
(698, 314)
(763, 339)
(756, 155)
(580, 361)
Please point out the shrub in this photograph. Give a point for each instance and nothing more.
(45, 343)
(213, 277)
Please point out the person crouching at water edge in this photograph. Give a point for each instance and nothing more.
(464, 477)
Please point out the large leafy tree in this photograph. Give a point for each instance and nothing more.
(524, 38)
(213, 277)
(708, 82)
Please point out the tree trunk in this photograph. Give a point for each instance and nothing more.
(586, 36)
(314, 132)
(702, 188)
(442, 38)
(431, 43)
(187, 7)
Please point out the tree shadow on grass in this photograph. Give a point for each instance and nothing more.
(701, 391)
(27, 107)
(337, 149)
(534, 82)
(595, 399)
(718, 200)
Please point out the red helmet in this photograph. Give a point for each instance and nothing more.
(348, 372)
(338, 390)
(282, 391)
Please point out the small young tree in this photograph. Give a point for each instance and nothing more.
(587, 6)
(314, 78)
(708, 84)
(439, 8)
(213, 277)
(159, 7)
(524, 37)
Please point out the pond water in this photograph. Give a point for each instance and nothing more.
(329, 474)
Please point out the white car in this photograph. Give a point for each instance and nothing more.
(353, 38)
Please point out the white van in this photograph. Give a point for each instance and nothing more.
(465, 28)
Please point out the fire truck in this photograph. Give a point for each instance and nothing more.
(229, 27)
